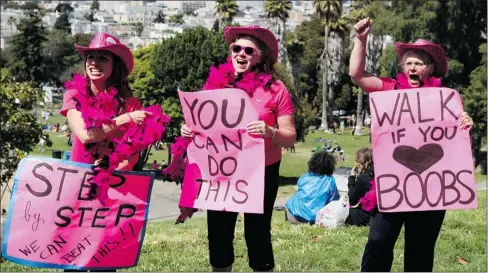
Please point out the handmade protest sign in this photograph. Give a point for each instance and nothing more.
(52, 224)
(225, 165)
(422, 157)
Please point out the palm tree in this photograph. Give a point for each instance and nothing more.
(11, 21)
(279, 10)
(361, 9)
(294, 48)
(226, 10)
(329, 12)
(335, 62)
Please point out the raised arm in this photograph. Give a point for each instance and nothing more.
(363, 79)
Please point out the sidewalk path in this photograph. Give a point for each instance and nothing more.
(165, 197)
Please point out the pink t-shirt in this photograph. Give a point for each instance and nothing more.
(78, 149)
(387, 84)
(272, 104)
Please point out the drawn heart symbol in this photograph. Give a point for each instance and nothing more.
(418, 160)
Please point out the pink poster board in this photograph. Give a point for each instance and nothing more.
(50, 223)
(422, 157)
(225, 165)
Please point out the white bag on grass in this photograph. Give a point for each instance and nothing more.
(333, 214)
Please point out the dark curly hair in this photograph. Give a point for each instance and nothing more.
(322, 163)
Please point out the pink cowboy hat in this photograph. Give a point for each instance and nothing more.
(262, 34)
(435, 51)
(107, 42)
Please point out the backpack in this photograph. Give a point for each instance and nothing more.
(333, 214)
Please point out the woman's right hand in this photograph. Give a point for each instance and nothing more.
(353, 170)
(362, 28)
(138, 116)
(186, 131)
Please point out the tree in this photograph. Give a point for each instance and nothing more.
(329, 11)
(59, 55)
(90, 16)
(187, 58)
(142, 80)
(177, 19)
(359, 10)
(160, 17)
(11, 21)
(62, 23)
(279, 10)
(4, 57)
(335, 64)
(474, 98)
(216, 26)
(139, 28)
(181, 62)
(95, 5)
(226, 10)
(311, 34)
(27, 63)
(190, 12)
(64, 8)
(19, 129)
(294, 48)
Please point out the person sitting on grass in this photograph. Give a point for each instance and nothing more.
(339, 150)
(359, 183)
(316, 188)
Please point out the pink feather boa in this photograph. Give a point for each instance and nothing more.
(221, 76)
(368, 201)
(176, 169)
(102, 109)
(224, 76)
(402, 82)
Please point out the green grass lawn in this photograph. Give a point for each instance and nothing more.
(169, 247)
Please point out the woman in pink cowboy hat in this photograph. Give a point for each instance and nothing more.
(423, 64)
(253, 52)
(99, 105)
(108, 63)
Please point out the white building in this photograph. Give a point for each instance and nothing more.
(112, 6)
(104, 17)
(178, 5)
(81, 26)
(192, 5)
(122, 31)
(255, 4)
(81, 7)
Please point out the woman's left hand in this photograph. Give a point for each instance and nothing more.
(259, 128)
(466, 121)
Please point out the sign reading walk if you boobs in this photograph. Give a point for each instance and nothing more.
(422, 157)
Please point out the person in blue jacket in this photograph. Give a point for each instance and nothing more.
(316, 188)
